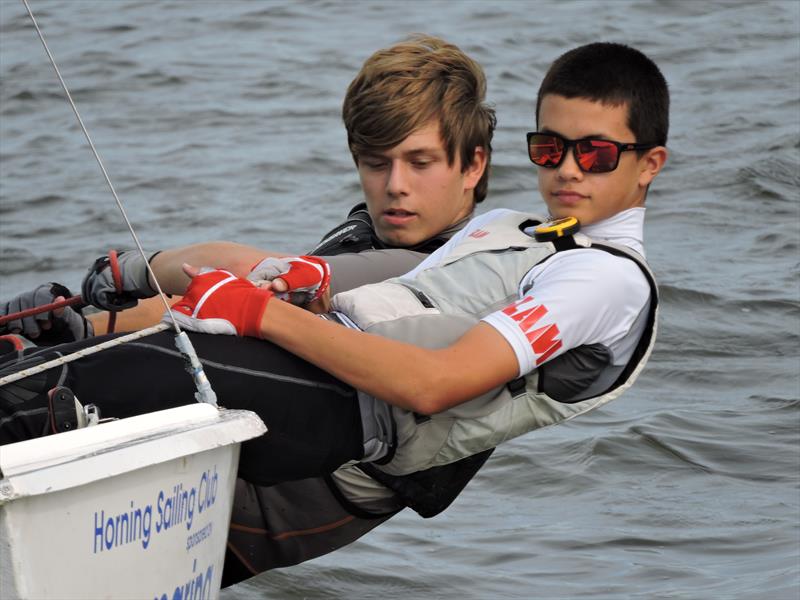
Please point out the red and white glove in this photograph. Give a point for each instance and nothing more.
(306, 277)
(219, 302)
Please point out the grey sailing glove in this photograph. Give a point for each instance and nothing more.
(305, 278)
(46, 328)
(98, 287)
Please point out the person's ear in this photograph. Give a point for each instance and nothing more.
(651, 164)
(474, 171)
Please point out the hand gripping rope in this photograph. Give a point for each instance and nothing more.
(73, 300)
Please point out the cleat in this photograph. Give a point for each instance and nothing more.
(66, 413)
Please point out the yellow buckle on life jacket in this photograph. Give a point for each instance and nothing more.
(552, 230)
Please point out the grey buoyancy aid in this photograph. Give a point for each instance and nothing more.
(357, 234)
(438, 305)
(439, 485)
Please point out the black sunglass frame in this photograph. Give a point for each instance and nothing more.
(568, 143)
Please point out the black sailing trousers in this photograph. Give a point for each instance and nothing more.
(312, 418)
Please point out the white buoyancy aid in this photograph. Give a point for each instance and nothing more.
(435, 307)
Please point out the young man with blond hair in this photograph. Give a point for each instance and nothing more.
(420, 132)
(416, 119)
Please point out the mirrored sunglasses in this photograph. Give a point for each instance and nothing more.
(591, 154)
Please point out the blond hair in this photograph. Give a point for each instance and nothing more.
(402, 88)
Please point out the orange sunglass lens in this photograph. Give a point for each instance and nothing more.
(545, 150)
(596, 156)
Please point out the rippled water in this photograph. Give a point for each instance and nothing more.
(221, 121)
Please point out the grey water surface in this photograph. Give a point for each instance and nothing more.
(220, 120)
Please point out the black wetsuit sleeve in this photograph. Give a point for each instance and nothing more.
(350, 271)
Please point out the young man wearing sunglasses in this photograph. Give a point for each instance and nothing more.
(508, 327)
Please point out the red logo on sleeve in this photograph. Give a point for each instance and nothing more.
(543, 339)
(479, 233)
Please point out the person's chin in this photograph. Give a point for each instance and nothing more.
(399, 237)
(561, 211)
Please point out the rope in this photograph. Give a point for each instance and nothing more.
(71, 301)
(113, 264)
(57, 362)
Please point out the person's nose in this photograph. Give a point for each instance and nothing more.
(397, 184)
(569, 169)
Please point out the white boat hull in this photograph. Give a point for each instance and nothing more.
(137, 508)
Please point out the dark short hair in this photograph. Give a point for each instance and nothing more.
(401, 88)
(613, 74)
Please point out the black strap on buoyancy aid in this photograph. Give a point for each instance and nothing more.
(357, 234)
(431, 491)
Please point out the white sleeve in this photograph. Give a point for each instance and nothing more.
(575, 298)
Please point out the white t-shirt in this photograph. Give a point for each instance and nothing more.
(574, 298)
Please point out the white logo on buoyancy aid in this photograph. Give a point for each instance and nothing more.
(480, 275)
